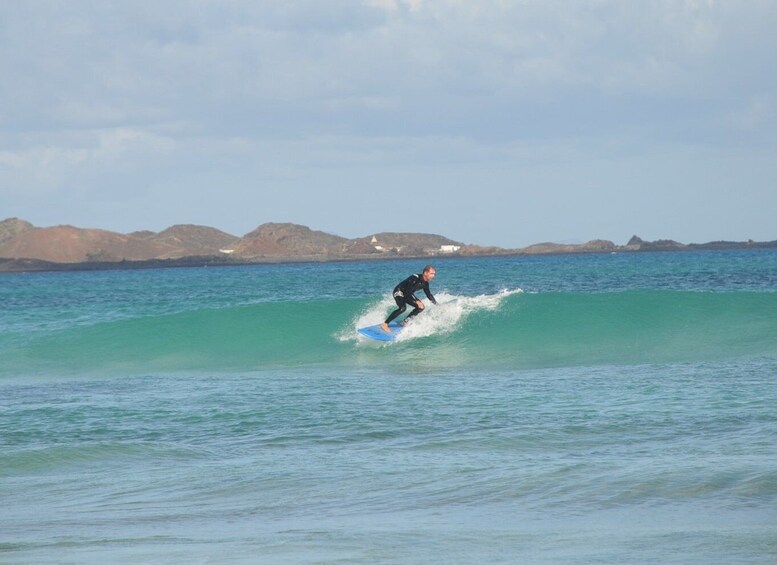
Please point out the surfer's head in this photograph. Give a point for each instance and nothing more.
(429, 272)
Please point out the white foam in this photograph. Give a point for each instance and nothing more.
(444, 317)
(374, 314)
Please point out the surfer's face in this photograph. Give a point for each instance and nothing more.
(429, 275)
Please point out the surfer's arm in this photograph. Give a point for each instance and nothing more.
(428, 293)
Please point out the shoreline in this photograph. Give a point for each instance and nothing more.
(23, 265)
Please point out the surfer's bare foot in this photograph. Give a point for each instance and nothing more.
(385, 328)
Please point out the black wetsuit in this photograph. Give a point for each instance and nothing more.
(404, 294)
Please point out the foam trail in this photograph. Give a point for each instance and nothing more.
(445, 317)
(373, 314)
(450, 312)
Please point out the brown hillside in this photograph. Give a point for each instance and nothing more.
(67, 244)
(12, 227)
(594, 246)
(410, 243)
(289, 240)
(194, 240)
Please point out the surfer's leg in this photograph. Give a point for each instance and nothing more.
(419, 306)
(401, 307)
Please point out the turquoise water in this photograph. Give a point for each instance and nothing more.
(601, 408)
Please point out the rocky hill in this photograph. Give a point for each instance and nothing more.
(595, 246)
(287, 240)
(68, 244)
(12, 227)
(189, 239)
(24, 247)
(407, 243)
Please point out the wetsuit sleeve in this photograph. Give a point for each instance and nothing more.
(428, 293)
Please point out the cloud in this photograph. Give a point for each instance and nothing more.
(46, 164)
(263, 93)
(300, 67)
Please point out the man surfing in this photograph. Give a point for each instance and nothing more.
(404, 294)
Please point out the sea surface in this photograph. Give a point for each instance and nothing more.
(609, 408)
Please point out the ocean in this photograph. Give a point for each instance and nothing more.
(608, 408)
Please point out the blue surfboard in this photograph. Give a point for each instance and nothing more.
(376, 332)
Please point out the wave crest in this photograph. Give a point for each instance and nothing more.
(445, 317)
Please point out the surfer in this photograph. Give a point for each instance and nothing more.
(404, 294)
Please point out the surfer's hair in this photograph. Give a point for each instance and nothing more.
(429, 268)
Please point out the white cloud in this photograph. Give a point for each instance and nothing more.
(47, 165)
(105, 97)
(757, 113)
(297, 67)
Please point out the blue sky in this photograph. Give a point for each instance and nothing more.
(498, 123)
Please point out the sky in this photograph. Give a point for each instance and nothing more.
(502, 122)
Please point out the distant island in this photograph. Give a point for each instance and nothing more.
(24, 247)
